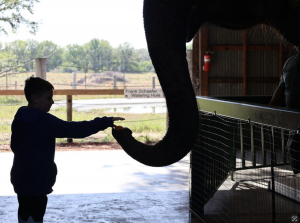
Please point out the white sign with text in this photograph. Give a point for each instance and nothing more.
(143, 93)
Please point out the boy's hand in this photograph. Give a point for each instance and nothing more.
(117, 119)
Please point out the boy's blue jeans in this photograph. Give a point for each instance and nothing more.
(32, 205)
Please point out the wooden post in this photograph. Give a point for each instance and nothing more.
(203, 49)
(245, 62)
(280, 55)
(6, 81)
(124, 81)
(40, 68)
(196, 63)
(115, 82)
(69, 112)
(74, 80)
(153, 82)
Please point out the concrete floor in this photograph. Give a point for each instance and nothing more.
(111, 187)
(247, 199)
(106, 187)
(249, 202)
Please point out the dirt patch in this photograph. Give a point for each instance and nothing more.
(89, 146)
(100, 78)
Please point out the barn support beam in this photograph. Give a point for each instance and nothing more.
(203, 49)
(245, 62)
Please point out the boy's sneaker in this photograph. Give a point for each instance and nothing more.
(29, 220)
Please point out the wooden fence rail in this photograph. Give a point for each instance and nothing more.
(69, 93)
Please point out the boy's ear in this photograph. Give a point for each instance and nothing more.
(33, 97)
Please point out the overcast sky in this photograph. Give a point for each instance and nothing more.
(76, 21)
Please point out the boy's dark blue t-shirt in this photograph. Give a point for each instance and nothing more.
(33, 144)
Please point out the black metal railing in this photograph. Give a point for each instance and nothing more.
(246, 142)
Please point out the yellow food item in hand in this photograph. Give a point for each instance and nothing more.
(118, 127)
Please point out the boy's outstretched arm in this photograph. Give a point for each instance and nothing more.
(58, 128)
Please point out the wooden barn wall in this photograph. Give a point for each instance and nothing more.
(229, 64)
(262, 63)
(225, 64)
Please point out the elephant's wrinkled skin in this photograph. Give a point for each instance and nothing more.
(169, 24)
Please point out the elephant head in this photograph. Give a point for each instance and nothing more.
(169, 24)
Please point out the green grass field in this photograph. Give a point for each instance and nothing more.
(145, 127)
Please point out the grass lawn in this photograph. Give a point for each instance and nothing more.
(145, 127)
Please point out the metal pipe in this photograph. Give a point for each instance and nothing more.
(153, 82)
(74, 80)
(115, 82)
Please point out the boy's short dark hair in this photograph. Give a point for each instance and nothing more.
(36, 86)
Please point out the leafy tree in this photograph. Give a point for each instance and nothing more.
(32, 47)
(7, 58)
(127, 57)
(145, 66)
(19, 49)
(47, 48)
(11, 14)
(145, 63)
(98, 53)
(143, 54)
(93, 52)
(107, 55)
(74, 57)
(23, 51)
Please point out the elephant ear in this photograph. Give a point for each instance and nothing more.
(285, 18)
(165, 24)
(199, 13)
(233, 14)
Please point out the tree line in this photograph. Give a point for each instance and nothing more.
(96, 55)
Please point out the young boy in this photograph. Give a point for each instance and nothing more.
(33, 143)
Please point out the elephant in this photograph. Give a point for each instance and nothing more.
(169, 24)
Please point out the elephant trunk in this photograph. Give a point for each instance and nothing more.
(165, 24)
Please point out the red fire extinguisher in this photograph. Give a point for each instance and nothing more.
(207, 58)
